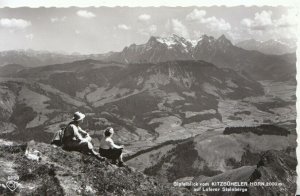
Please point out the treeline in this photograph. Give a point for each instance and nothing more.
(259, 130)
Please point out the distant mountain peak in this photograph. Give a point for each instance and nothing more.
(222, 39)
(205, 39)
(152, 39)
(172, 40)
(175, 36)
(205, 36)
(271, 46)
(275, 41)
(178, 38)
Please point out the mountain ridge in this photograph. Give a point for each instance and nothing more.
(271, 46)
(220, 52)
(71, 173)
(176, 91)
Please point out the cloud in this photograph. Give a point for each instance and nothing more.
(85, 14)
(262, 20)
(152, 29)
(213, 23)
(285, 21)
(288, 20)
(124, 27)
(264, 24)
(217, 24)
(197, 33)
(247, 22)
(56, 19)
(14, 23)
(235, 35)
(177, 27)
(196, 15)
(29, 36)
(144, 17)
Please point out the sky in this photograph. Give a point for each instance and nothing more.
(89, 30)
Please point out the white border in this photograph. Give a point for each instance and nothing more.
(143, 3)
(174, 3)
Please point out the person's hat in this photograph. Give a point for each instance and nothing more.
(78, 116)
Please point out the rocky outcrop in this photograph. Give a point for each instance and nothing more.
(71, 173)
(279, 170)
(210, 154)
(274, 174)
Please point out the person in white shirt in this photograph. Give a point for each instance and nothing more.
(109, 149)
(76, 139)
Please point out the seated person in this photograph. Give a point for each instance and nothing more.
(109, 149)
(76, 139)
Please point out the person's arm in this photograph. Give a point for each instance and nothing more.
(113, 145)
(76, 133)
(82, 132)
(85, 135)
(88, 138)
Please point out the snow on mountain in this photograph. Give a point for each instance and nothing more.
(172, 40)
(176, 41)
(174, 47)
(167, 41)
(219, 51)
(193, 42)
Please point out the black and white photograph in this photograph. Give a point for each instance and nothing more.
(148, 99)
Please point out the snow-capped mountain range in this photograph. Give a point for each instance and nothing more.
(219, 51)
(156, 49)
(159, 49)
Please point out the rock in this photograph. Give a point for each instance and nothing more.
(35, 156)
(71, 173)
(273, 166)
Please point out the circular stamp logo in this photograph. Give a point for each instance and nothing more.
(12, 185)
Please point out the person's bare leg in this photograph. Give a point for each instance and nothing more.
(121, 162)
(94, 153)
(121, 158)
(98, 156)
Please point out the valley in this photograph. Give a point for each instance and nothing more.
(178, 119)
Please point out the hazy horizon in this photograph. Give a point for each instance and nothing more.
(103, 29)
